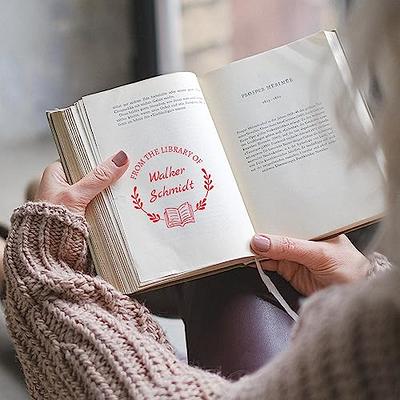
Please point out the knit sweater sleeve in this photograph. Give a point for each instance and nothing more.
(75, 336)
(378, 263)
(78, 338)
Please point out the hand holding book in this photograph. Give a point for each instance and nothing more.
(310, 266)
(255, 146)
(55, 189)
(307, 265)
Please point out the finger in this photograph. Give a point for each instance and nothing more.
(104, 175)
(269, 265)
(54, 173)
(284, 248)
(286, 269)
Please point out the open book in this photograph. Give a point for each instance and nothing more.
(252, 147)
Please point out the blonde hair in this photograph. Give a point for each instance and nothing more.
(372, 37)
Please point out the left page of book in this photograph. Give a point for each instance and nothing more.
(178, 203)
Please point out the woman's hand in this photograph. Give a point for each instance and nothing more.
(310, 266)
(54, 188)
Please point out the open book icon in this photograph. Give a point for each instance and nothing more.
(179, 216)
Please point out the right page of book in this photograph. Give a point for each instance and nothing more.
(276, 114)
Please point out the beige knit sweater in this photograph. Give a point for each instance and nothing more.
(78, 338)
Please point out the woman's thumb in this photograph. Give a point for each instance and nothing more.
(102, 176)
(283, 248)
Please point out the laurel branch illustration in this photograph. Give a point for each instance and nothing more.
(201, 205)
(138, 204)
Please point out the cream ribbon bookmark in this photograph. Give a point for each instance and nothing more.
(274, 291)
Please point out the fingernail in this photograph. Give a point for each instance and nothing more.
(120, 159)
(260, 243)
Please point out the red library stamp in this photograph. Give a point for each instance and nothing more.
(182, 214)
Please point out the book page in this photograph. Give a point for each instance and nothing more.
(178, 202)
(276, 116)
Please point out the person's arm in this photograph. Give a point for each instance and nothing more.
(310, 266)
(77, 337)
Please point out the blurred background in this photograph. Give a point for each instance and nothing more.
(55, 51)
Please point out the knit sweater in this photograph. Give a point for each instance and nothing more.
(78, 338)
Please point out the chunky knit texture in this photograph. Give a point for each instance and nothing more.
(78, 338)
